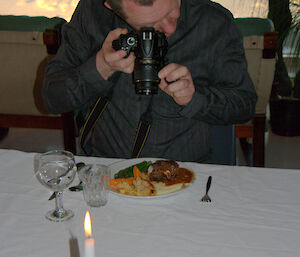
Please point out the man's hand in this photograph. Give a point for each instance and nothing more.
(180, 86)
(108, 60)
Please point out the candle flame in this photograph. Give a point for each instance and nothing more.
(87, 225)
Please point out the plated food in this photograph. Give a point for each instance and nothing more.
(151, 179)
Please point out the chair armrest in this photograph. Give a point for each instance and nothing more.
(51, 38)
(270, 44)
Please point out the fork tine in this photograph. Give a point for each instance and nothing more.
(206, 198)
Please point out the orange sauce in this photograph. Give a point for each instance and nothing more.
(183, 175)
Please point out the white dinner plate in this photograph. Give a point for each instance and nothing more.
(117, 166)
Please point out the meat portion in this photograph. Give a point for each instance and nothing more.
(163, 170)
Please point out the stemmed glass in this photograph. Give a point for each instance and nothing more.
(56, 170)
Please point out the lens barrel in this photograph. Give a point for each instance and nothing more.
(145, 77)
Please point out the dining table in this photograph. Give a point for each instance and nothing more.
(254, 212)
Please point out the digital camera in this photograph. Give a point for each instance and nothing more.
(150, 48)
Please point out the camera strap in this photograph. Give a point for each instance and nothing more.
(91, 120)
(142, 131)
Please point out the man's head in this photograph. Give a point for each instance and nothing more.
(160, 14)
(116, 6)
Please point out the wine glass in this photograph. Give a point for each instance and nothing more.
(56, 170)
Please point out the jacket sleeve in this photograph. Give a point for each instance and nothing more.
(71, 78)
(229, 96)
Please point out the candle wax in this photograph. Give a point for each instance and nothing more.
(89, 249)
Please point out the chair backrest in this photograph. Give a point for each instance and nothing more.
(24, 58)
(260, 46)
(27, 44)
(223, 144)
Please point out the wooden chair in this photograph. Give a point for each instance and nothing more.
(260, 42)
(27, 44)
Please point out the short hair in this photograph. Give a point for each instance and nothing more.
(117, 7)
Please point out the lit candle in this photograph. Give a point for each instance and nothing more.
(89, 245)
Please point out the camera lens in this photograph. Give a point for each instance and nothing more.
(145, 77)
(146, 88)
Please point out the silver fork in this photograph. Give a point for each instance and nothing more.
(206, 197)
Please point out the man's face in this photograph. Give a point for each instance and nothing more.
(162, 15)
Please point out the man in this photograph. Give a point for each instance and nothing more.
(207, 70)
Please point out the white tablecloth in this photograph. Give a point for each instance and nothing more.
(255, 212)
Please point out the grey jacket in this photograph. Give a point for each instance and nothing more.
(206, 41)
